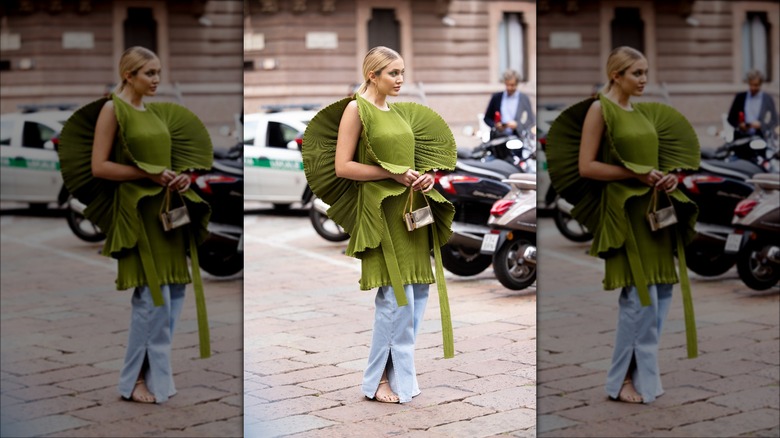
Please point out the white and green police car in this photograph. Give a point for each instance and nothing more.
(273, 167)
(28, 159)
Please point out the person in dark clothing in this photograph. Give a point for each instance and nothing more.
(515, 108)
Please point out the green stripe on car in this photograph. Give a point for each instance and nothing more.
(32, 164)
(273, 164)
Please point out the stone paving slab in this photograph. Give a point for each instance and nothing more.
(731, 389)
(64, 331)
(304, 376)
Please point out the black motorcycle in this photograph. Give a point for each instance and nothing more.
(222, 253)
(719, 184)
(473, 187)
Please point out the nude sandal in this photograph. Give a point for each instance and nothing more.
(387, 398)
(626, 398)
(141, 399)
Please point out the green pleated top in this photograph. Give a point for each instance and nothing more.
(649, 136)
(163, 135)
(407, 136)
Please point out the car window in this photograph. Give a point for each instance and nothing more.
(34, 135)
(279, 134)
(250, 129)
(6, 128)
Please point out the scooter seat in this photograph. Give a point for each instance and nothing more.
(767, 181)
(496, 169)
(739, 169)
(232, 167)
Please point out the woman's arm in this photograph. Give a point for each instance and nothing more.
(346, 167)
(102, 167)
(592, 130)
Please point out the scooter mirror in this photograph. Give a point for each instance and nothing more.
(758, 144)
(514, 144)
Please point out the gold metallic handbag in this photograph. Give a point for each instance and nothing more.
(173, 218)
(421, 217)
(660, 218)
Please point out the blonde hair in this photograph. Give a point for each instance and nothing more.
(131, 61)
(375, 60)
(619, 60)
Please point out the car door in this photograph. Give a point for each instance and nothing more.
(8, 131)
(37, 166)
(276, 165)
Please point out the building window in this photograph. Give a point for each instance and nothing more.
(628, 29)
(384, 30)
(140, 28)
(512, 47)
(756, 44)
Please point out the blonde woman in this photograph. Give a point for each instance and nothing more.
(609, 156)
(120, 155)
(363, 155)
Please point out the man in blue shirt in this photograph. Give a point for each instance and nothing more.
(514, 107)
(752, 112)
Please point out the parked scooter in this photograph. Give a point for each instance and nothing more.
(756, 239)
(716, 187)
(473, 187)
(512, 240)
(222, 253)
(82, 227)
(318, 214)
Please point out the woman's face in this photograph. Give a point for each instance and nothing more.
(146, 79)
(389, 81)
(633, 80)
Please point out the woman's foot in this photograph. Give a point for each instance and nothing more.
(141, 393)
(385, 394)
(628, 393)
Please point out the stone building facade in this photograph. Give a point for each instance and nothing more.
(67, 52)
(311, 52)
(698, 51)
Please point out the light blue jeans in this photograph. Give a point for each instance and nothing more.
(637, 336)
(392, 345)
(150, 337)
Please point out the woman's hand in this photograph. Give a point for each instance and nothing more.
(163, 178)
(407, 178)
(424, 182)
(181, 183)
(651, 178)
(667, 183)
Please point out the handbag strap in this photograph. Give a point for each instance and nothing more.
(654, 200)
(165, 206)
(408, 206)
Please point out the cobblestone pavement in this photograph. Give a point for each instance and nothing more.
(64, 332)
(307, 330)
(732, 388)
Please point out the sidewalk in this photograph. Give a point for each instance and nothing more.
(64, 331)
(307, 330)
(732, 389)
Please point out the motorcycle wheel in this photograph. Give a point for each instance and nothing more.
(755, 274)
(464, 261)
(325, 227)
(220, 258)
(706, 261)
(570, 227)
(510, 268)
(82, 227)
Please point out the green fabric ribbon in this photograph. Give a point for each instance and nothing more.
(685, 286)
(147, 261)
(400, 296)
